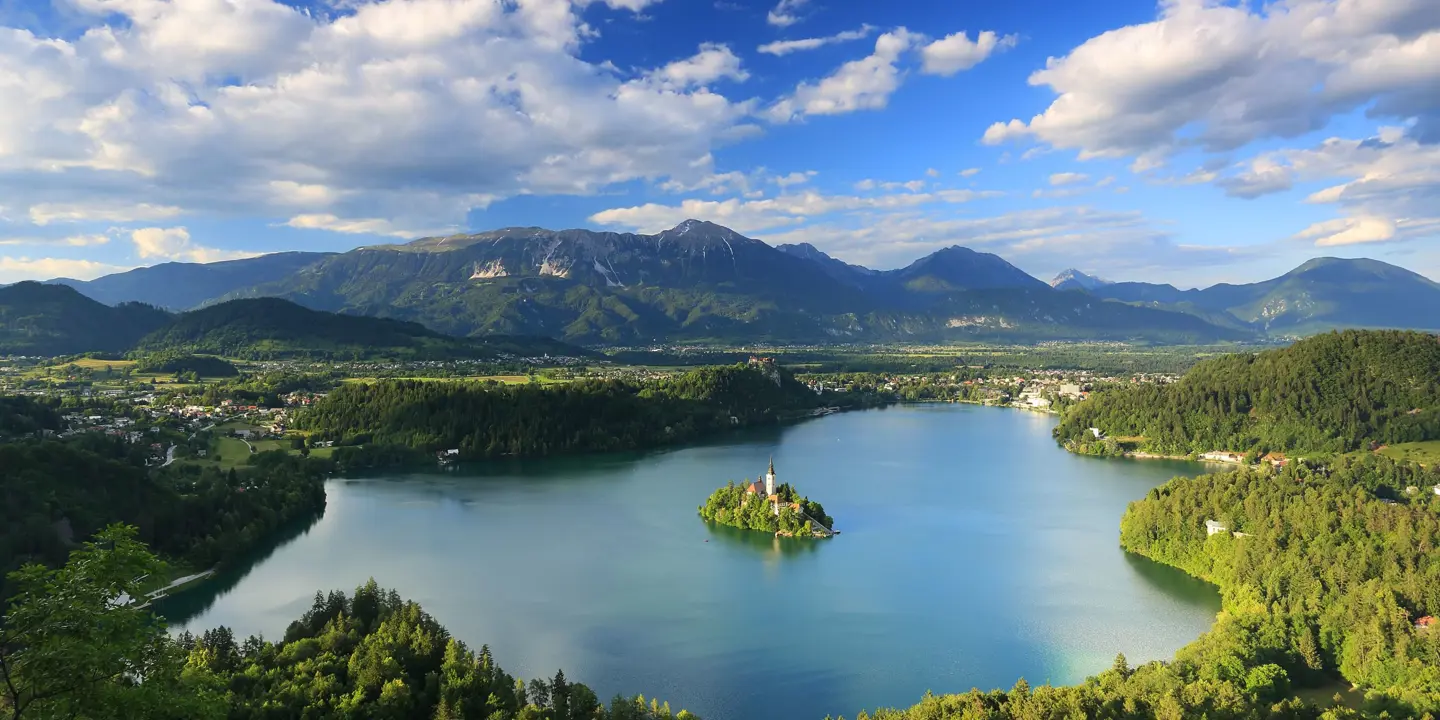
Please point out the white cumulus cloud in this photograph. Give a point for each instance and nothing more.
(713, 62)
(1068, 178)
(47, 213)
(1387, 188)
(1041, 241)
(415, 111)
(174, 244)
(1221, 75)
(784, 13)
(1349, 231)
(785, 210)
(785, 47)
(360, 226)
(956, 52)
(864, 84)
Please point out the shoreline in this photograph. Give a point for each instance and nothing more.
(417, 459)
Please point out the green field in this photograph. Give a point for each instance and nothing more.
(506, 379)
(268, 445)
(1426, 453)
(228, 452)
(94, 364)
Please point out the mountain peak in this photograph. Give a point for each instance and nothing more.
(1073, 279)
(700, 227)
(960, 268)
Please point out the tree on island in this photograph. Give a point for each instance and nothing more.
(733, 505)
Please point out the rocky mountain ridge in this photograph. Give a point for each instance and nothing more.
(700, 281)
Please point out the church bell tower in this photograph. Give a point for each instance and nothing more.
(770, 478)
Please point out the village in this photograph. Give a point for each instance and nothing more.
(1047, 391)
(182, 418)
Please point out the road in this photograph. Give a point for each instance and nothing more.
(169, 456)
(157, 594)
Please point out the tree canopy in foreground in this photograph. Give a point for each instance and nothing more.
(74, 645)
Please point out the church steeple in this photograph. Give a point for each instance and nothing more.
(770, 478)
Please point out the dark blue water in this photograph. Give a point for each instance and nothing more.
(973, 552)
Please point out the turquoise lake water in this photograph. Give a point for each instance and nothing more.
(973, 551)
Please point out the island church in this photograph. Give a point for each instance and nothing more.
(767, 490)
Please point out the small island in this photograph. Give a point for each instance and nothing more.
(764, 506)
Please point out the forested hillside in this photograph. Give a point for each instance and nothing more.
(1332, 576)
(492, 420)
(38, 319)
(1326, 582)
(50, 320)
(26, 417)
(56, 493)
(270, 328)
(1330, 393)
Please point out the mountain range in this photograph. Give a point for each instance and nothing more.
(1322, 294)
(182, 286)
(703, 282)
(54, 319)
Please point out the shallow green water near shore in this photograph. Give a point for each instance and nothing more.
(973, 552)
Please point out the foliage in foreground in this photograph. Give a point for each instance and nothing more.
(72, 646)
(1330, 393)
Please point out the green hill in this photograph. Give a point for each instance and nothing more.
(39, 319)
(271, 328)
(1329, 393)
(533, 420)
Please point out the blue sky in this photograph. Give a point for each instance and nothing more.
(1189, 141)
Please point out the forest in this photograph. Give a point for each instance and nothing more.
(26, 417)
(178, 363)
(493, 420)
(731, 505)
(368, 654)
(56, 492)
(1331, 393)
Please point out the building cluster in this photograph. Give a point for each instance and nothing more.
(1038, 389)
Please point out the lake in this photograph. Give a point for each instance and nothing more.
(973, 551)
